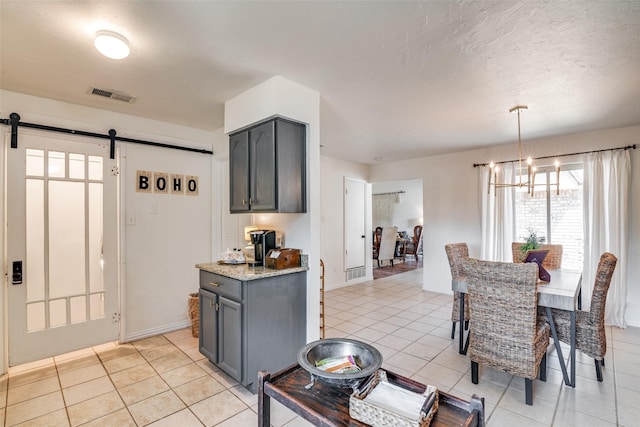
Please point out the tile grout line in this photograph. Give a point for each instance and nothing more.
(615, 376)
(163, 380)
(114, 387)
(64, 401)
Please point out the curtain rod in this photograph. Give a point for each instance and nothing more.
(14, 122)
(391, 192)
(628, 147)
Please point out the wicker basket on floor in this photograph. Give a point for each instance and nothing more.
(194, 313)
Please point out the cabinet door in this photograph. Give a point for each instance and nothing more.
(290, 166)
(208, 328)
(239, 172)
(262, 158)
(230, 337)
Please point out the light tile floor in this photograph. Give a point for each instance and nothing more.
(165, 381)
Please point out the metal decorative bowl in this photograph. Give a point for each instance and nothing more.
(366, 357)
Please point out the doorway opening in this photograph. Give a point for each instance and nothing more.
(398, 204)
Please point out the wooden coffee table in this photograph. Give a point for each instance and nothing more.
(327, 406)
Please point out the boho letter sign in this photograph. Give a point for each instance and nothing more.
(166, 183)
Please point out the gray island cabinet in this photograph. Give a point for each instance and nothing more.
(252, 318)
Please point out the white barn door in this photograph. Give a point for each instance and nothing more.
(61, 246)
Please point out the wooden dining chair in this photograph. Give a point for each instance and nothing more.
(591, 336)
(505, 333)
(377, 236)
(412, 247)
(456, 253)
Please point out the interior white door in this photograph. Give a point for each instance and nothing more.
(354, 223)
(62, 234)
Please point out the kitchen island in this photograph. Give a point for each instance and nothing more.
(251, 318)
(245, 271)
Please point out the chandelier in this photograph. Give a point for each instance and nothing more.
(494, 168)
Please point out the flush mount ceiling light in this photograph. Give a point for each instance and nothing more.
(111, 44)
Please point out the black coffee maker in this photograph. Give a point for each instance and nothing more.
(263, 241)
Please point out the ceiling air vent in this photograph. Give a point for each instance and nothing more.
(112, 94)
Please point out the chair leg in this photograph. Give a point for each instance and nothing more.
(542, 375)
(598, 370)
(474, 372)
(453, 330)
(466, 325)
(466, 344)
(528, 391)
(602, 362)
(378, 263)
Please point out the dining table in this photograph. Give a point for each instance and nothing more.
(562, 292)
(401, 247)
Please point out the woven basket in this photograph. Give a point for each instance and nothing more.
(194, 314)
(376, 416)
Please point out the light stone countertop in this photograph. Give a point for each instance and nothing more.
(245, 272)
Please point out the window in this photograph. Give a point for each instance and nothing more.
(557, 217)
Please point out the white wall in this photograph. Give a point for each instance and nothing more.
(170, 235)
(332, 174)
(281, 97)
(160, 251)
(452, 200)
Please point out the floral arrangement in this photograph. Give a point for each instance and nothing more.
(532, 241)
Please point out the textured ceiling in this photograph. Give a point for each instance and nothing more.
(397, 79)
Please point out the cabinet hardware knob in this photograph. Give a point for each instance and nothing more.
(213, 284)
(244, 202)
(217, 307)
(210, 304)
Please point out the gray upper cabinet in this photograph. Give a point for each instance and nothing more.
(267, 168)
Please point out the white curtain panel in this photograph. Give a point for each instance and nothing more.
(498, 225)
(607, 179)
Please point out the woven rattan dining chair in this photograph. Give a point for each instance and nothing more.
(456, 253)
(552, 261)
(505, 333)
(591, 337)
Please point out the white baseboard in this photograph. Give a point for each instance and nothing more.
(634, 324)
(349, 283)
(138, 335)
